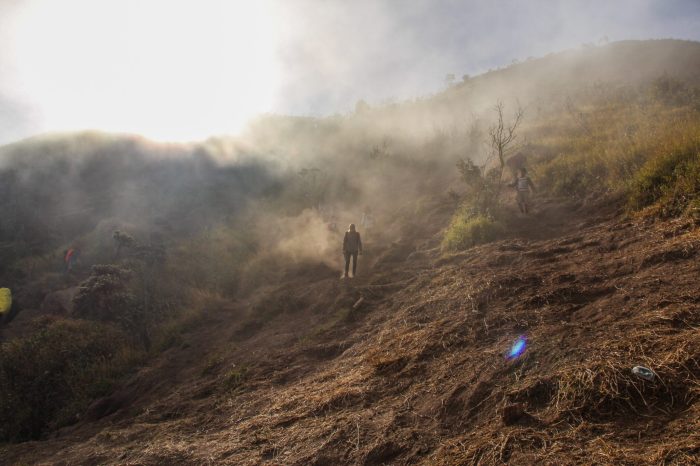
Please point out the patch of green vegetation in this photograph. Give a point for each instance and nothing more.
(48, 379)
(466, 231)
(640, 143)
(670, 181)
(234, 377)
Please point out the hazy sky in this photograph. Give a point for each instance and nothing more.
(186, 69)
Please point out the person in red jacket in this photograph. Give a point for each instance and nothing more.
(70, 258)
(352, 246)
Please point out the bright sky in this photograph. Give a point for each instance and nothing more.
(181, 70)
(174, 70)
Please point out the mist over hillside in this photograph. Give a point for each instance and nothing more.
(205, 303)
(60, 187)
(57, 188)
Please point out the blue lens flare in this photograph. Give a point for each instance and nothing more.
(518, 348)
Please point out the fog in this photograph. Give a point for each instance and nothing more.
(285, 180)
(306, 115)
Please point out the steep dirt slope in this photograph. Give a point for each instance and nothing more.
(417, 372)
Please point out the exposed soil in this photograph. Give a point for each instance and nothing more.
(417, 372)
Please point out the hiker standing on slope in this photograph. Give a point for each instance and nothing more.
(352, 246)
(70, 258)
(523, 185)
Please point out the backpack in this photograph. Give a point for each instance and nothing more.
(5, 300)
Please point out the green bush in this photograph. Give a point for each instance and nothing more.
(105, 294)
(483, 189)
(465, 231)
(670, 180)
(49, 378)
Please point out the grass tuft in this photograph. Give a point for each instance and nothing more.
(466, 231)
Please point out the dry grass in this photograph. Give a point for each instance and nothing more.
(419, 376)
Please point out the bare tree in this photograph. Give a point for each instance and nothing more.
(503, 135)
(485, 185)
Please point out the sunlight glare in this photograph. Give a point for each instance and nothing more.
(174, 71)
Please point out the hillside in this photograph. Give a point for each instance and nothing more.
(417, 373)
(205, 322)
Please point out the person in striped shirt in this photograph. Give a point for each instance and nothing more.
(523, 186)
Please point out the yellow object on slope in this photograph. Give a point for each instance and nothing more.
(5, 300)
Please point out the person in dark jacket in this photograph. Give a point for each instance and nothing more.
(352, 246)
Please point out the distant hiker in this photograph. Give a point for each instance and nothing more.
(523, 185)
(69, 259)
(352, 246)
